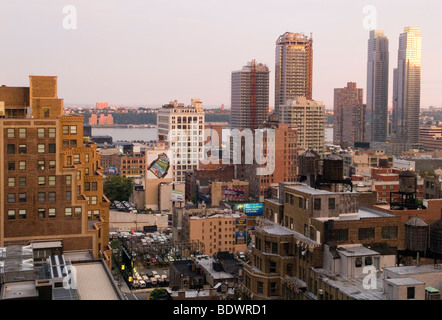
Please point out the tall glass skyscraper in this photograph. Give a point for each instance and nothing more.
(377, 86)
(293, 68)
(407, 87)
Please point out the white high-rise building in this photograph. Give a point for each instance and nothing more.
(183, 128)
(377, 86)
(308, 116)
(407, 87)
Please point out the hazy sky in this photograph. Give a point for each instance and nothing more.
(143, 52)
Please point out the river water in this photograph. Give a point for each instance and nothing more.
(130, 134)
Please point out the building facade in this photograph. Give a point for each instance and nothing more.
(308, 117)
(250, 96)
(348, 116)
(407, 87)
(51, 179)
(377, 86)
(293, 68)
(183, 128)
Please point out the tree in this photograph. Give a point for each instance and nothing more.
(118, 188)
(159, 294)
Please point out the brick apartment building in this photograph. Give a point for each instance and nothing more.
(50, 179)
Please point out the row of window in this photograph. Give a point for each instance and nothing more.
(389, 232)
(23, 149)
(303, 204)
(22, 133)
(22, 213)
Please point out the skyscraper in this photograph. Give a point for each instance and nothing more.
(407, 87)
(349, 116)
(293, 68)
(377, 86)
(250, 96)
(183, 128)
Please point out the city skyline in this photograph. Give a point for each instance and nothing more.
(139, 53)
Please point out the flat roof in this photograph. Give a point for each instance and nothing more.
(16, 290)
(363, 213)
(404, 281)
(410, 270)
(93, 282)
(356, 250)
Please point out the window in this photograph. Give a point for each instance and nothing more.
(41, 213)
(274, 247)
(41, 132)
(22, 133)
(22, 165)
(22, 214)
(86, 171)
(69, 160)
(65, 129)
(86, 156)
(366, 234)
(41, 197)
(317, 204)
(46, 112)
(51, 132)
(73, 143)
(11, 166)
(87, 186)
(11, 214)
(68, 195)
(51, 196)
(68, 180)
(68, 212)
(51, 213)
(73, 129)
(22, 181)
(272, 267)
(52, 180)
(410, 293)
(11, 197)
(10, 149)
(51, 164)
(273, 291)
(260, 287)
(331, 203)
(301, 203)
(40, 165)
(76, 158)
(77, 212)
(78, 175)
(10, 132)
(368, 261)
(41, 180)
(389, 232)
(65, 144)
(341, 235)
(358, 262)
(11, 182)
(52, 148)
(22, 197)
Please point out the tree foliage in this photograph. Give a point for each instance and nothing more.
(159, 294)
(118, 188)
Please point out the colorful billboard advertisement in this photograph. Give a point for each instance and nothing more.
(177, 195)
(160, 166)
(240, 231)
(234, 193)
(254, 209)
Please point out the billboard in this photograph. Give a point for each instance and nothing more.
(240, 231)
(254, 209)
(234, 193)
(158, 164)
(177, 195)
